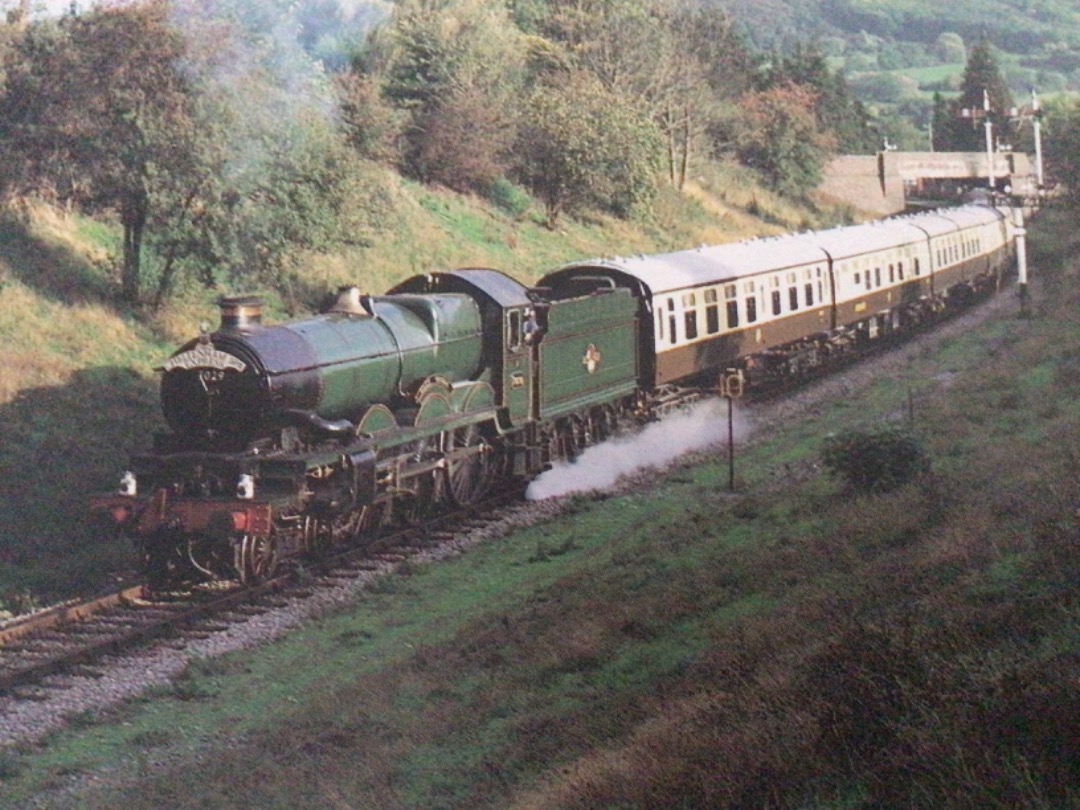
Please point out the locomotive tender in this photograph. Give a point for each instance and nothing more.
(286, 440)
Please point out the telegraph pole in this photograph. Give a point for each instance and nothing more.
(1036, 123)
(989, 140)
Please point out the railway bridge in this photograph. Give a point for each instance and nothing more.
(886, 183)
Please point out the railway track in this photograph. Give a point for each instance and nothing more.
(73, 637)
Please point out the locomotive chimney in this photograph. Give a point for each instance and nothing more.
(240, 313)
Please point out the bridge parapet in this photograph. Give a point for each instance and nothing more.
(883, 184)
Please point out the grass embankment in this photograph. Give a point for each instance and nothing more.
(790, 646)
(77, 390)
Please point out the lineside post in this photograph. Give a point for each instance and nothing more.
(731, 388)
(1021, 259)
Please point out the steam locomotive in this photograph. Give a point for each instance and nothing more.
(287, 440)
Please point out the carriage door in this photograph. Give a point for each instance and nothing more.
(518, 379)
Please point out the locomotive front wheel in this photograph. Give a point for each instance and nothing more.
(256, 559)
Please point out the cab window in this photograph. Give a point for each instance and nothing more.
(513, 330)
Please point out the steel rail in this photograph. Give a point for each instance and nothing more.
(395, 545)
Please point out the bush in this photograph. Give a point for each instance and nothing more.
(510, 198)
(875, 461)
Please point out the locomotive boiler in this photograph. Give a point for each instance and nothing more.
(286, 440)
(249, 381)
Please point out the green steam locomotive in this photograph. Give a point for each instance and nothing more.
(287, 440)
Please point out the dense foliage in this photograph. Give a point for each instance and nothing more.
(186, 136)
(229, 139)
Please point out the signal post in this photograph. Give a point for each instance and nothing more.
(732, 383)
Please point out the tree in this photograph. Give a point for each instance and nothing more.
(777, 133)
(1063, 150)
(950, 47)
(620, 42)
(207, 156)
(679, 60)
(442, 63)
(982, 82)
(371, 124)
(837, 111)
(942, 123)
(709, 64)
(466, 143)
(97, 110)
(580, 144)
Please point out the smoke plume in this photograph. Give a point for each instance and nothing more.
(601, 466)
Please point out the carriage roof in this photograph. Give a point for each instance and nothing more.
(717, 264)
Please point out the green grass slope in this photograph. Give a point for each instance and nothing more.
(789, 646)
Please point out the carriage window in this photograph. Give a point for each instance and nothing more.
(776, 302)
(731, 295)
(793, 298)
(732, 314)
(916, 265)
(751, 301)
(712, 312)
(659, 325)
(674, 335)
(877, 276)
(858, 278)
(690, 317)
(900, 270)
(809, 291)
(892, 273)
(689, 302)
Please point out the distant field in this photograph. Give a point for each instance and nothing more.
(933, 74)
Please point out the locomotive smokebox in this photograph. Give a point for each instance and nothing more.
(240, 313)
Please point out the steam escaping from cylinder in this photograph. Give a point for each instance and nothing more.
(600, 467)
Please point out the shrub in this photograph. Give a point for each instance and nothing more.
(510, 198)
(877, 460)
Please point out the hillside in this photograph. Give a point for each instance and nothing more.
(897, 54)
(792, 646)
(1017, 26)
